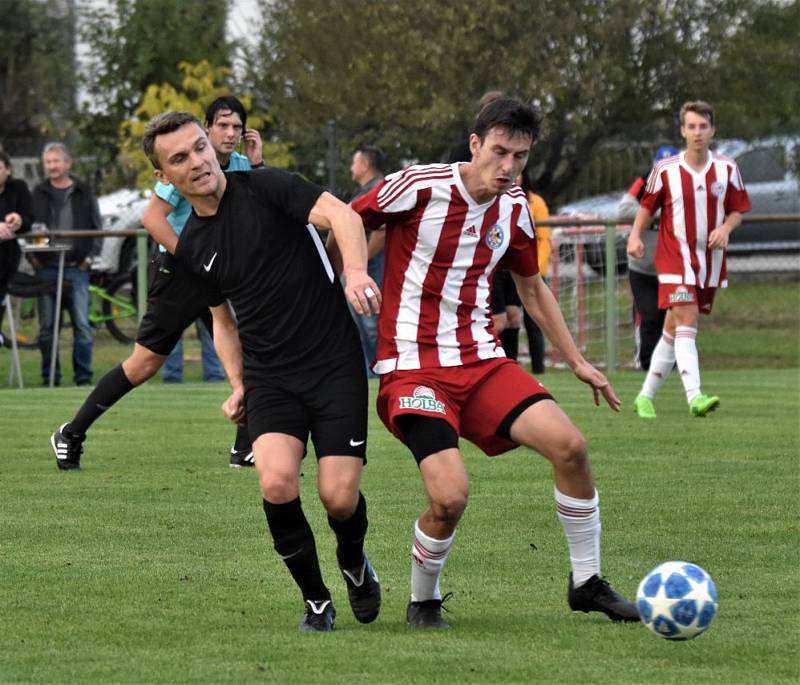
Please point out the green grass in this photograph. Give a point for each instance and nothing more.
(755, 322)
(153, 563)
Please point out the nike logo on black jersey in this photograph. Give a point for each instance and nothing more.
(207, 267)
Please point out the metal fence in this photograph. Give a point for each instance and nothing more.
(597, 303)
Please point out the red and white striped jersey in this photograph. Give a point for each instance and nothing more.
(693, 203)
(442, 249)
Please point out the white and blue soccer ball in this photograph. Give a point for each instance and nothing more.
(677, 600)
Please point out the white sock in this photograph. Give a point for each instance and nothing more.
(580, 519)
(688, 362)
(661, 363)
(427, 560)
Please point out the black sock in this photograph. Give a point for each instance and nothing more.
(510, 340)
(109, 390)
(294, 541)
(242, 441)
(350, 536)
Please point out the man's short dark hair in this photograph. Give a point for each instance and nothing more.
(5, 159)
(510, 114)
(374, 156)
(226, 102)
(160, 125)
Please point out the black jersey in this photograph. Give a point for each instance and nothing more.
(261, 254)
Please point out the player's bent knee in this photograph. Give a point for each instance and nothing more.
(571, 452)
(450, 506)
(278, 488)
(142, 365)
(340, 503)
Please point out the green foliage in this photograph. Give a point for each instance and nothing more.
(201, 85)
(763, 50)
(407, 75)
(37, 79)
(154, 565)
(133, 44)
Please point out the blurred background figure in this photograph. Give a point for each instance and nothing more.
(172, 371)
(15, 218)
(366, 169)
(648, 318)
(539, 212)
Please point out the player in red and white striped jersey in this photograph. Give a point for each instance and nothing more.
(444, 374)
(702, 198)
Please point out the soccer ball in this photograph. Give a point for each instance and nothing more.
(677, 600)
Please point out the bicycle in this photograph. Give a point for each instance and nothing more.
(112, 304)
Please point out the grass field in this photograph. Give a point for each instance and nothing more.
(152, 564)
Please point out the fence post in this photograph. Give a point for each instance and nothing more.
(611, 298)
(141, 273)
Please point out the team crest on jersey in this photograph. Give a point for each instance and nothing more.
(494, 237)
(716, 188)
(681, 294)
(423, 399)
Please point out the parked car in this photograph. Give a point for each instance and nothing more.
(119, 210)
(769, 168)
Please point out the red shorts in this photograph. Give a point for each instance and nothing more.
(676, 295)
(474, 399)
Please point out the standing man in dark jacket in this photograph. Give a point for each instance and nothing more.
(15, 218)
(66, 203)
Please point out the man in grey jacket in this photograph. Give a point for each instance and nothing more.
(65, 203)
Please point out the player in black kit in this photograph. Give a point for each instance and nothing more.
(248, 238)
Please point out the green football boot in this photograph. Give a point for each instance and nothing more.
(703, 404)
(643, 406)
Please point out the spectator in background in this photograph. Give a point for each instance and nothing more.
(15, 218)
(65, 203)
(540, 212)
(703, 198)
(648, 318)
(172, 371)
(366, 170)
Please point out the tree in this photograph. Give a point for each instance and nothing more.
(407, 75)
(756, 90)
(37, 76)
(133, 44)
(201, 85)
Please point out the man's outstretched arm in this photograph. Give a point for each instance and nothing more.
(348, 231)
(542, 306)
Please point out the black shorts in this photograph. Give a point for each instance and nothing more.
(504, 292)
(329, 403)
(175, 298)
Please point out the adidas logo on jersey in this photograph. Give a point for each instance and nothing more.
(471, 231)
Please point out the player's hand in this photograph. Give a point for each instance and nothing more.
(718, 239)
(635, 246)
(600, 385)
(253, 147)
(5, 231)
(362, 292)
(233, 407)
